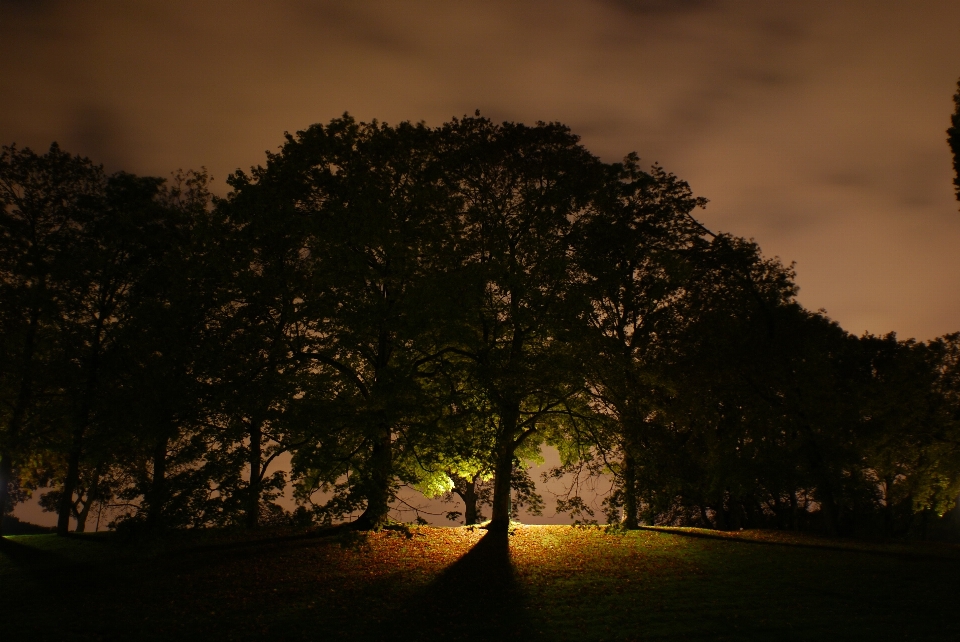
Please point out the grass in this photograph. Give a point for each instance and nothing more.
(541, 582)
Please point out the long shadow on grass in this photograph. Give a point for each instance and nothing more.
(477, 597)
(28, 557)
(826, 546)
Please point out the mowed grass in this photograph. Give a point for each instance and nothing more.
(540, 583)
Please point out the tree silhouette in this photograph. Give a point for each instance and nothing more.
(953, 139)
(522, 189)
(46, 199)
(428, 307)
(636, 250)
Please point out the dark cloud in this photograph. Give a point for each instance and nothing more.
(658, 7)
(816, 127)
(99, 132)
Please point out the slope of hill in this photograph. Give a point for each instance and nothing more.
(541, 582)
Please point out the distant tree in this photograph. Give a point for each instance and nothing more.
(953, 139)
(172, 361)
(111, 246)
(723, 427)
(637, 250)
(271, 249)
(909, 447)
(474, 492)
(46, 199)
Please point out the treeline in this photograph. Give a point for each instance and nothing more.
(429, 307)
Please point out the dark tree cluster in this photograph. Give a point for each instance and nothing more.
(428, 307)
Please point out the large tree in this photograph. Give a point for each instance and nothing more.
(172, 359)
(45, 200)
(109, 248)
(638, 252)
(522, 190)
(369, 209)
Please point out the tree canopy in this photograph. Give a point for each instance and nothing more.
(429, 307)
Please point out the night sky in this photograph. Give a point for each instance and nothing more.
(816, 128)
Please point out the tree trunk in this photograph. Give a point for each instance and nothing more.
(503, 469)
(722, 515)
(888, 518)
(466, 488)
(828, 511)
(158, 485)
(6, 472)
(70, 481)
(705, 517)
(824, 494)
(256, 474)
(631, 519)
(378, 486)
(82, 419)
(92, 493)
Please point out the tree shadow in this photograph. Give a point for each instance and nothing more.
(850, 546)
(28, 557)
(476, 597)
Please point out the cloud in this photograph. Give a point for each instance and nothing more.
(817, 127)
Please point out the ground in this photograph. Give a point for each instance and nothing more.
(540, 582)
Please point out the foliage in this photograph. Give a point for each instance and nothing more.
(406, 306)
(953, 140)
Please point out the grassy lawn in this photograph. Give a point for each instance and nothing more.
(541, 582)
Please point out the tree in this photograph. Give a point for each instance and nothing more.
(109, 250)
(909, 446)
(270, 249)
(372, 212)
(953, 139)
(636, 250)
(172, 361)
(45, 200)
(522, 189)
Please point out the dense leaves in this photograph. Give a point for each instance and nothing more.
(428, 307)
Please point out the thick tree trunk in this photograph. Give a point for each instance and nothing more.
(502, 472)
(722, 514)
(85, 511)
(70, 481)
(466, 488)
(378, 487)
(503, 468)
(157, 497)
(256, 475)
(631, 518)
(824, 494)
(92, 493)
(6, 472)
